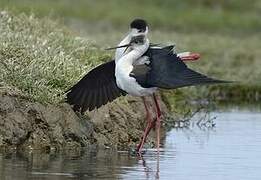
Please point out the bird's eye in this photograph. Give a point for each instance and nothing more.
(140, 30)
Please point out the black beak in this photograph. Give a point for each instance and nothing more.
(126, 45)
(135, 39)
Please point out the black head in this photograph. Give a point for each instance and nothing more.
(139, 24)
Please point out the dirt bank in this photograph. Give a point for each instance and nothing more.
(29, 125)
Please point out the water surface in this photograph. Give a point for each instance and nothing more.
(229, 150)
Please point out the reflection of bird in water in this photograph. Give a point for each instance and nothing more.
(139, 69)
(148, 170)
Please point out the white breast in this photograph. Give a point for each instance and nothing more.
(129, 84)
(124, 66)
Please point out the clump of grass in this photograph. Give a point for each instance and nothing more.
(41, 58)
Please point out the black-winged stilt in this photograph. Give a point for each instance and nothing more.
(139, 69)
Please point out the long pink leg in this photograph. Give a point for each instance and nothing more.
(158, 121)
(148, 127)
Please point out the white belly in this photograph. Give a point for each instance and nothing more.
(129, 84)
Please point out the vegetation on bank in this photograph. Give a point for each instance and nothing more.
(41, 58)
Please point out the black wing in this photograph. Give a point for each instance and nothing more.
(166, 70)
(140, 72)
(95, 89)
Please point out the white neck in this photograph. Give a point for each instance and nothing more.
(135, 53)
(124, 67)
(120, 51)
(133, 32)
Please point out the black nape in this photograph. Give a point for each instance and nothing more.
(139, 24)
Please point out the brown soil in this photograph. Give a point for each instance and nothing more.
(30, 125)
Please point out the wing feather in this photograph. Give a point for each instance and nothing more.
(166, 70)
(96, 88)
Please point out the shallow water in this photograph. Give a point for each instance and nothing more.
(230, 150)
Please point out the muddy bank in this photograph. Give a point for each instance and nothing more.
(28, 125)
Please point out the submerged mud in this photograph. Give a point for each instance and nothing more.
(30, 125)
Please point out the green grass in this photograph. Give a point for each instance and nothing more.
(191, 15)
(41, 58)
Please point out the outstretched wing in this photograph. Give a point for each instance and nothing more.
(166, 70)
(95, 89)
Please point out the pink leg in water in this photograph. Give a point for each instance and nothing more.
(158, 121)
(150, 124)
